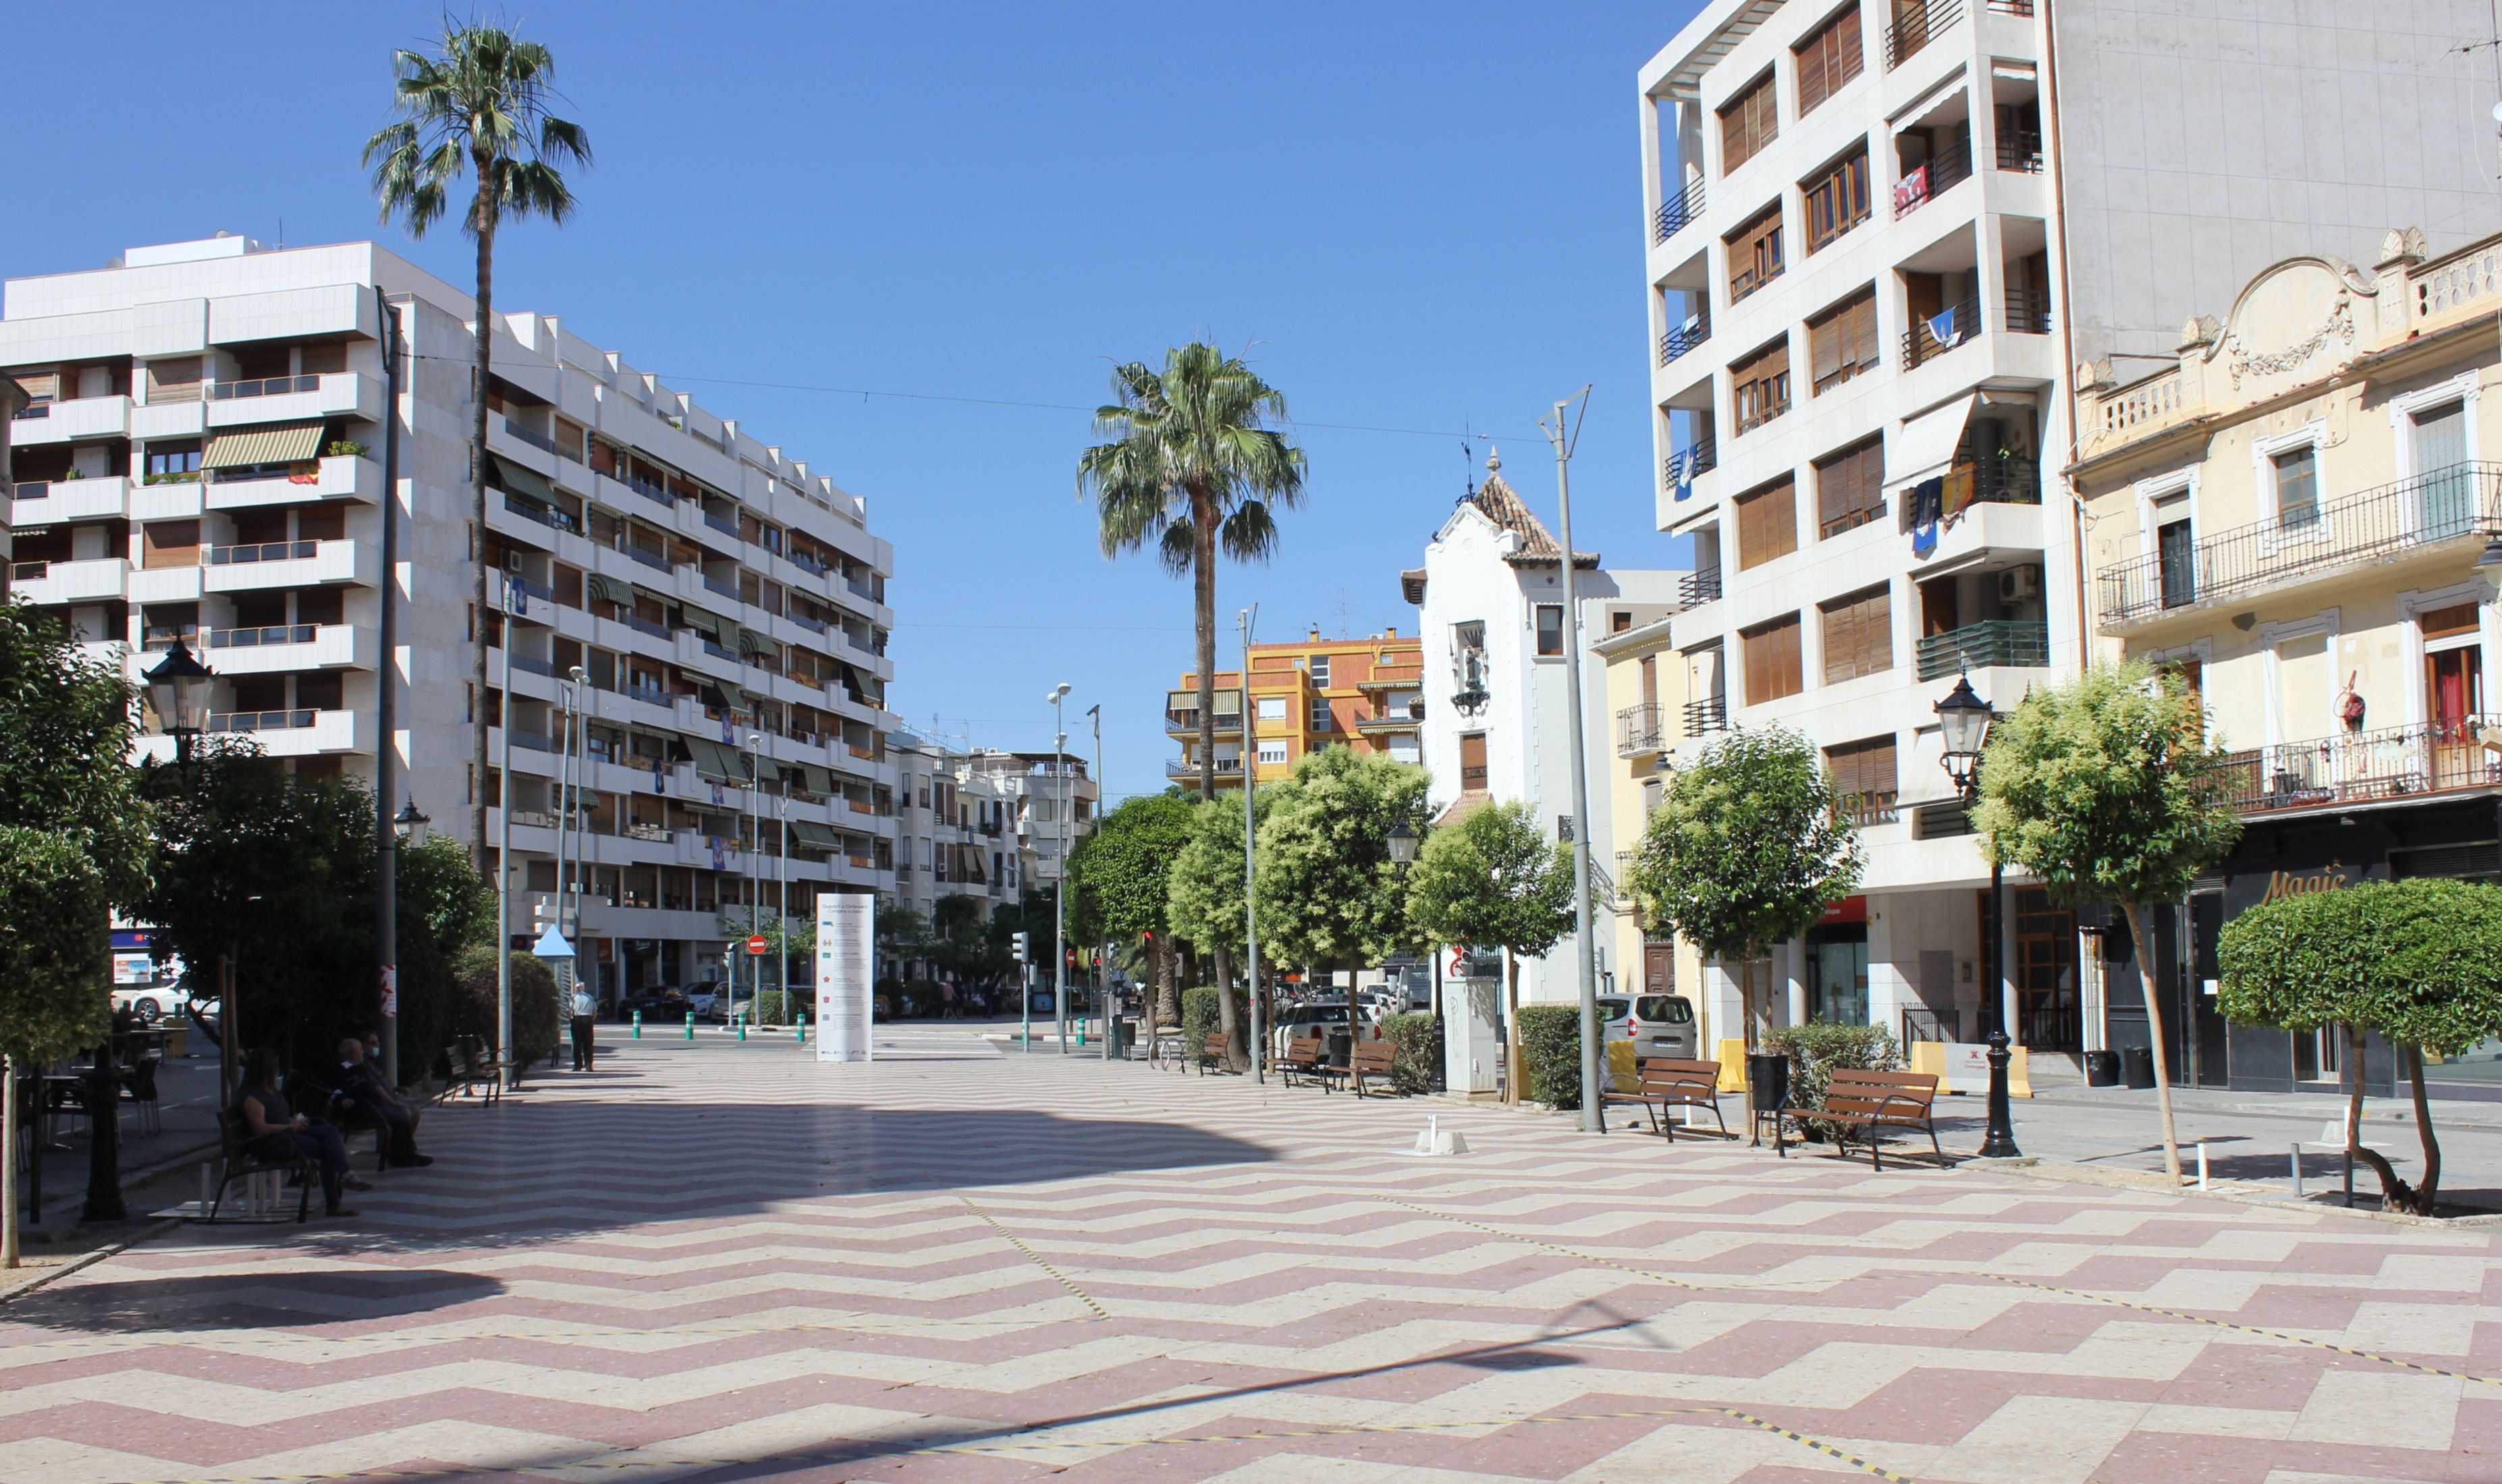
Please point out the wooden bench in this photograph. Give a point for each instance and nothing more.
(1863, 1104)
(1214, 1052)
(1672, 1082)
(1307, 1058)
(1371, 1061)
(237, 1162)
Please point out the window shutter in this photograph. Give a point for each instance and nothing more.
(1767, 524)
(1815, 66)
(1860, 320)
(1825, 339)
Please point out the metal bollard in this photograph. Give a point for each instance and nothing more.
(690, 1025)
(2297, 1171)
(742, 1025)
(638, 1025)
(803, 1029)
(2202, 1165)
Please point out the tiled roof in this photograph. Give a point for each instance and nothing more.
(1506, 509)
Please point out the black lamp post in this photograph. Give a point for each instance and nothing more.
(1402, 845)
(178, 688)
(410, 825)
(1963, 721)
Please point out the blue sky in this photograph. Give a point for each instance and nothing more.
(1414, 217)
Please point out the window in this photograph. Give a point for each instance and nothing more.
(1858, 635)
(1827, 59)
(1272, 708)
(1319, 665)
(1321, 716)
(1850, 488)
(1619, 619)
(1760, 388)
(1472, 762)
(1550, 628)
(1747, 123)
(1837, 200)
(2175, 551)
(1273, 751)
(1772, 653)
(179, 458)
(1754, 255)
(1863, 780)
(1842, 341)
(1766, 524)
(2297, 487)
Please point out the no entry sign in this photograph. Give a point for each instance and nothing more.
(755, 944)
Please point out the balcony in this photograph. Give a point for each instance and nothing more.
(340, 476)
(1639, 729)
(537, 440)
(2019, 149)
(71, 421)
(1679, 469)
(1942, 172)
(1916, 23)
(1384, 677)
(653, 559)
(40, 503)
(1183, 771)
(291, 647)
(1699, 586)
(2028, 311)
(2458, 503)
(1709, 714)
(1935, 335)
(294, 399)
(2365, 767)
(1677, 213)
(286, 564)
(1685, 337)
(291, 734)
(1183, 721)
(45, 584)
(1983, 645)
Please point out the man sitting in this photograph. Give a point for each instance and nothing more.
(360, 1092)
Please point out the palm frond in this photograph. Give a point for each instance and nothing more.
(483, 102)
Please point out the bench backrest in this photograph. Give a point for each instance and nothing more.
(1214, 1045)
(1304, 1048)
(1679, 1076)
(1374, 1057)
(1880, 1095)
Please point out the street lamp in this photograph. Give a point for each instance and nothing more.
(178, 688)
(1060, 868)
(1964, 721)
(410, 824)
(1402, 845)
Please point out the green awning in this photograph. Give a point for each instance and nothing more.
(521, 480)
(819, 781)
(816, 836)
(749, 641)
(717, 762)
(710, 625)
(292, 443)
(608, 589)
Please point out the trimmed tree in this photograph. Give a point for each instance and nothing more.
(1747, 850)
(1120, 884)
(1328, 891)
(2419, 962)
(1205, 893)
(1495, 881)
(2106, 791)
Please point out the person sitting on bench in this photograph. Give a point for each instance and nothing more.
(269, 1122)
(360, 1095)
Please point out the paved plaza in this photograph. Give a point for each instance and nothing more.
(717, 1260)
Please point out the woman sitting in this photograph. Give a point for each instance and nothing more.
(274, 1128)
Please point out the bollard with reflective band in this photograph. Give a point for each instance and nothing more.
(638, 1025)
(742, 1028)
(803, 1029)
(691, 1027)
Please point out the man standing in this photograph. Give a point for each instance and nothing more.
(362, 1096)
(585, 1009)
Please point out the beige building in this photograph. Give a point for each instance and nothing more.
(2295, 514)
(1648, 699)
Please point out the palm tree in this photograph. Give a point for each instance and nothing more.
(1190, 464)
(480, 106)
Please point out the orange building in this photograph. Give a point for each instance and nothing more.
(1306, 694)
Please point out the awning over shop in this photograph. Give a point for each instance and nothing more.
(717, 762)
(608, 589)
(292, 443)
(521, 478)
(1926, 444)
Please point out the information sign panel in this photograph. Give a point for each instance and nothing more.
(846, 929)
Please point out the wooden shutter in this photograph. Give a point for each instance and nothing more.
(1772, 661)
(1860, 317)
(1850, 488)
(1750, 122)
(1828, 59)
(1754, 255)
(1863, 777)
(1858, 635)
(1824, 341)
(1766, 524)
(1762, 386)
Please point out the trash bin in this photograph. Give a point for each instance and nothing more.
(1342, 1047)
(1768, 1081)
(2137, 1062)
(2102, 1068)
(1123, 1034)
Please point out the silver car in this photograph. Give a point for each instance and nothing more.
(1660, 1025)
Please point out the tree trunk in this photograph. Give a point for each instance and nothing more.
(2145, 941)
(482, 222)
(1167, 998)
(2427, 1191)
(1511, 1064)
(1203, 571)
(1354, 1011)
(2396, 1193)
(1227, 1020)
(1753, 1037)
(9, 1163)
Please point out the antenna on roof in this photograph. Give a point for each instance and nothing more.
(1468, 468)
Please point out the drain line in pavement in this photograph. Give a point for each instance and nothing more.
(1030, 1255)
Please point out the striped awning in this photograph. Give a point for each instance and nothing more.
(749, 641)
(521, 478)
(290, 443)
(708, 624)
(816, 836)
(608, 589)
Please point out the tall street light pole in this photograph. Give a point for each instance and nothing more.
(1250, 621)
(754, 880)
(582, 704)
(387, 713)
(1963, 724)
(1102, 996)
(512, 599)
(1563, 437)
(1059, 871)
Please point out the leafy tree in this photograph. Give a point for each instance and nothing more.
(2106, 791)
(537, 1029)
(480, 106)
(56, 969)
(1207, 892)
(2419, 962)
(1746, 851)
(1493, 881)
(1119, 883)
(1328, 891)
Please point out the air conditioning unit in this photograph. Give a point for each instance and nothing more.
(2017, 584)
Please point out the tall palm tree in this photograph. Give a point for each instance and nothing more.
(479, 106)
(1190, 464)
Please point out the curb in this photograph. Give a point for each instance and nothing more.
(38, 1279)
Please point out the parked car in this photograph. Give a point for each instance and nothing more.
(151, 1002)
(1662, 1026)
(662, 1007)
(1319, 1020)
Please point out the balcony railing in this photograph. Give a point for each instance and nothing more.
(1183, 768)
(653, 559)
(1186, 719)
(1994, 481)
(264, 638)
(2452, 503)
(264, 387)
(2028, 311)
(2019, 149)
(1699, 586)
(537, 440)
(647, 488)
(2355, 767)
(29, 572)
(1944, 171)
(1923, 342)
(1685, 337)
(1678, 211)
(262, 720)
(1915, 25)
(545, 515)
(1708, 715)
(1637, 730)
(1989, 642)
(264, 551)
(722, 523)
(1681, 467)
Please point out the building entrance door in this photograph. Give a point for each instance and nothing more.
(2045, 973)
(1659, 968)
(1837, 975)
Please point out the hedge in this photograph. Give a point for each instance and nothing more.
(1411, 1050)
(1551, 1053)
(1816, 1052)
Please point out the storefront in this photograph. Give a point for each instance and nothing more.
(2324, 850)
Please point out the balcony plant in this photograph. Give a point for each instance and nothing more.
(344, 448)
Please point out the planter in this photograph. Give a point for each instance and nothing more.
(2102, 1068)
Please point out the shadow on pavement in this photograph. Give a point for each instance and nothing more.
(190, 1304)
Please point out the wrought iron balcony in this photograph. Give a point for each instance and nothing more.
(1699, 586)
(1979, 646)
(1916, 23)
(1711, 714)
(2360, 767)
(1685, 337)
(1639, 729)
(1931, 178)
(1678, 211)
(1681, 467)
(1923, 343)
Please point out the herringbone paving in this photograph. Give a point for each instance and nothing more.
(717, 1260)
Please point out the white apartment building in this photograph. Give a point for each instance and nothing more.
(1498, 717)
(952, 820)
(1042, 791)
(1880, 233)
(203, 460)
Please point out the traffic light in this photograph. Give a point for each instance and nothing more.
(1016, 945)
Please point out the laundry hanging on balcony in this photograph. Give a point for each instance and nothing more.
(1927, 498)
(1943, 330)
